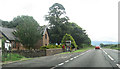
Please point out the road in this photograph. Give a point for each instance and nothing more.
(91, 59)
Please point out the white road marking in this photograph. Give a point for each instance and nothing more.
(104, 52)
(75, 57)
(82, 53)
(60, 64)
(52, 67)
(71, 59)
(67, 61)
(110, 57)
(118, 65)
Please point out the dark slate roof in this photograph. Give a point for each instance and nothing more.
(7, 32)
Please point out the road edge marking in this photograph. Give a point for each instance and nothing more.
(110, 57)
(118, 65)
(67, 61)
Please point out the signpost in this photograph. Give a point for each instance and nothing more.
(68, 45)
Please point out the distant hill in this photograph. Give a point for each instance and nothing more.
(104, 42)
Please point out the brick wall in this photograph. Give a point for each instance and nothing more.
(53, 51)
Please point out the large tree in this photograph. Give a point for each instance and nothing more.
(56, 18)
(77, 33)
(59, 26)
(27, 30)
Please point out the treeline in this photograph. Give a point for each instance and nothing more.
(59, 25)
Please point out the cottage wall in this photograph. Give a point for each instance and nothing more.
(17, 46)
(45, 39)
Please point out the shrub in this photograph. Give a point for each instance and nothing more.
(69, 37)
(50, 46)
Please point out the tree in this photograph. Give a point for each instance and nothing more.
(80, 36)
(12, 24)
(69, 37)
(101, 44)
(56, 19)
(27, 31)
(59, 26)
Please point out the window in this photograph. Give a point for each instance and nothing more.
(45, 36)
(14, 44)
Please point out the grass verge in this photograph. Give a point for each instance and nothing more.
(10, 57)
(116, 47)
(80, 50)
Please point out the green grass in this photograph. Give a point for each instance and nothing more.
(80, 50)
(112, 47)
(11, 57)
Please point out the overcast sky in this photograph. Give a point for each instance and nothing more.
(98, 17)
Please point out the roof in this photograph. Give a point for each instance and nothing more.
(1, 35)
(43, 29)
(8, 32)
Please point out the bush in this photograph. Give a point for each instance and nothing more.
(50, 46)
(69, 37)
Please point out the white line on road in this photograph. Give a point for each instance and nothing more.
(52, 67)
(110, 57)
(60, 64)
(82, 53)
(75, 57)
(104, 51)
(67, 61)
(71, 59)
(118, 65)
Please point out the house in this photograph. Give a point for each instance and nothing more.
(44, 41)
(15, 45)
(10, 39)
(0, 40)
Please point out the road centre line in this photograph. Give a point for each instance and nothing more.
(71, 58)
(75, 57)
(60, 64)
(118, 65)
(53, 67)
(67, 61)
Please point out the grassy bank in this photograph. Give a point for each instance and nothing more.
(112, 47)
(11, 57)
(80, 50)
